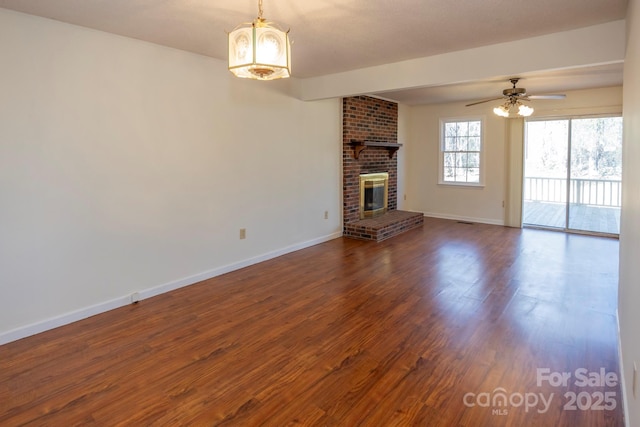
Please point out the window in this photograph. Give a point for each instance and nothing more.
(461, 152)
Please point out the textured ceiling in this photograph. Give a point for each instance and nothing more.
(332, 36)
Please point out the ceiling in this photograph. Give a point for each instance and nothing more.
(538, 83)
(332, 36)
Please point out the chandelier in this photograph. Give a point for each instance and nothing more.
(511, 106)
(260, 50)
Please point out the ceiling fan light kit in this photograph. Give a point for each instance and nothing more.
(514, 107)
(508, 107)
(260, 50)
(502, 111)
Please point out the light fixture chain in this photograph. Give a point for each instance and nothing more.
(260, 9)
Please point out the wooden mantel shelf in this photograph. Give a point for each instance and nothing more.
(358, 146)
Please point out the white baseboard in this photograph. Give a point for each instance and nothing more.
(167, 287)
(64, 319)
(83, 313)
(465, 218)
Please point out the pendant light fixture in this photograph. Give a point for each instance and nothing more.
(260, 50)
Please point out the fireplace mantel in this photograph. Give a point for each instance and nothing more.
(358, 146)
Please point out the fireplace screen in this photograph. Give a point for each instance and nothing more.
(373, 194)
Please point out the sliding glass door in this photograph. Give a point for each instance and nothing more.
(545, 183)
(573, 170)
(596, 170)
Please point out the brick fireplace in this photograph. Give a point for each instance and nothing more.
(369, 144)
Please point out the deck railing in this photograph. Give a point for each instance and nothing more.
(594, 192)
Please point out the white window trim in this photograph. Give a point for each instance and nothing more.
(441, 181)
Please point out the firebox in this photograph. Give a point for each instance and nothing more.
(374, 193)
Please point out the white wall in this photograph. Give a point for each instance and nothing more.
(629, 290)
(479, 204)
(424, 194)
(127, 166)
(403, 131)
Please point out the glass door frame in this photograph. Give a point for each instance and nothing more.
(569, 119)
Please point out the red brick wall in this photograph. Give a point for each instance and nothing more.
(367, 119)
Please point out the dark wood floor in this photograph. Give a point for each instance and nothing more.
(409, 332)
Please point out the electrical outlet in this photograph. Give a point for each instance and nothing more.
(326, 214)
(243, 233)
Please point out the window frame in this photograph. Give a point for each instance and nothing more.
(441, 151)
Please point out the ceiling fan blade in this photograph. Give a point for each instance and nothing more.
(558, 96)
(486, 100)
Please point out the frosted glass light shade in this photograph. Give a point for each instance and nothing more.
(501, 111)
(525, 110)
(505, 109)
(260, 52)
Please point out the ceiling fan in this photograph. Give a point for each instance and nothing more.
(514, 97)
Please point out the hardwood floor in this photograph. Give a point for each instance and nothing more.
(430, 328)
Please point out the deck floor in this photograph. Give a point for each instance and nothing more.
(597, 219)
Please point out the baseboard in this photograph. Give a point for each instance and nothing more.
(465, 218)
(167, 287)
(83, 313)
(64, 319)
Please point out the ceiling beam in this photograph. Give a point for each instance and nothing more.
(595, 45)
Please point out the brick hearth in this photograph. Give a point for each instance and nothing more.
(384, 226)
(371, 119)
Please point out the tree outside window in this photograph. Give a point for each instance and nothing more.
(461, 152)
